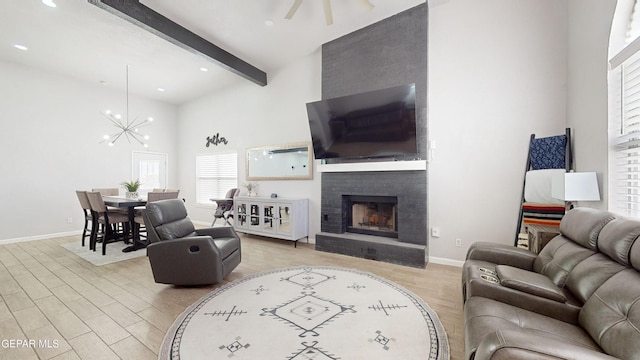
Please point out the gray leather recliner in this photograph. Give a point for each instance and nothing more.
(578, 299)
(182, 255)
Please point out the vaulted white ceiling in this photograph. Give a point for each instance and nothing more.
(80, 40)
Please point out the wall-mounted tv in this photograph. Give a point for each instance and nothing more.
(374, 124)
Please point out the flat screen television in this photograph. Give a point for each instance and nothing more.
(375, 124)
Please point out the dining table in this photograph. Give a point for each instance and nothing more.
(130, 205)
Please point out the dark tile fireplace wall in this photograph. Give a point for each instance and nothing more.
(409, 186)
(389, 53)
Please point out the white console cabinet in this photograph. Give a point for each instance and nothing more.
(274, 217)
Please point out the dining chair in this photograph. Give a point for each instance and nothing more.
(106, 218)
(165, 190)
(108, 191)
(86, 208)
(138, 221)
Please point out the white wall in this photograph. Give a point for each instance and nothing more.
(248, 116)
(497, 73)
(51, 128)
(499, 70)
(587, 113)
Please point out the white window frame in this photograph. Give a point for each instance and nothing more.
(624, 131)
(216, 173)
(140, 157)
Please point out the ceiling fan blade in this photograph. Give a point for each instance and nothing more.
(367, 4)
(328, 16)
(294, 8)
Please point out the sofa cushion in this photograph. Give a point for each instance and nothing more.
(559, 257)
(612, 315)
(583, 225)
(175, 230)
(169, 218)
(579, 232)
(166, 211)
(529, 282)
(589, 274)
(617, 237)
(634, 255)
(484, 316)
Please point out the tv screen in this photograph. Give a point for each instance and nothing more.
(374, 124)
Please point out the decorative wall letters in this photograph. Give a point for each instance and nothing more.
(216, 140)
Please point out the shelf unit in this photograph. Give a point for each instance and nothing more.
(280, 218)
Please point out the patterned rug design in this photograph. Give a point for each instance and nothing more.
(320, 313)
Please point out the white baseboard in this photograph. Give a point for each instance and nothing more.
(311, 240)
(39, 237)
(445, 261)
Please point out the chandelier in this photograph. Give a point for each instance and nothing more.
(127, 128)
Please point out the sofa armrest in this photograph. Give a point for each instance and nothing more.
(513, 344)
(502, 254)
(529, 282)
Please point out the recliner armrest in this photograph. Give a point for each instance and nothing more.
(217, 232)
(502, 254)
(189, 244)
(512, 344)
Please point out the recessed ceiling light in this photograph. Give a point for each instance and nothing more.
(160, 89)
(269, 22)
(204, 69)
(21, 47)
(49, 3)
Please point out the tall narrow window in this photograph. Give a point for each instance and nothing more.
(215, 175)
(624, 131)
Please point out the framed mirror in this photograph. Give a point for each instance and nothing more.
(280, 162)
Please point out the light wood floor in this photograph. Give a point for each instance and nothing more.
(75, 310)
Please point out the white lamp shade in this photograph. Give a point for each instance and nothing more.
(576, 186)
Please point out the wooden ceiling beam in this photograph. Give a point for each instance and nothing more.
(154, 22)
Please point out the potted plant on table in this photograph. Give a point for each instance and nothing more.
(132, 188)
(251, 188)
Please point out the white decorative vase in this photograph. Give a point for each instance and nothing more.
(132, 195)
(252, 194)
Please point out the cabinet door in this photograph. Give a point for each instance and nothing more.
(284, 218)
(254, 216)
(269, 218)
(240, 214)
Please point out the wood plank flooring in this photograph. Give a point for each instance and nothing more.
(75, 310)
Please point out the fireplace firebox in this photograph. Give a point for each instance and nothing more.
(371, 215)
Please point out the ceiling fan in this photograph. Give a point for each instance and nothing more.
(328, 15)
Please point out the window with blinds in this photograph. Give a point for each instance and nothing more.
(624, 131)
(215, 175)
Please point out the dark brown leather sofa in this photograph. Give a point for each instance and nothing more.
(578, 299)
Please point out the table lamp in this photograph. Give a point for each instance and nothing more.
(575, 186)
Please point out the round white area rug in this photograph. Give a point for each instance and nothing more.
(308, 313)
